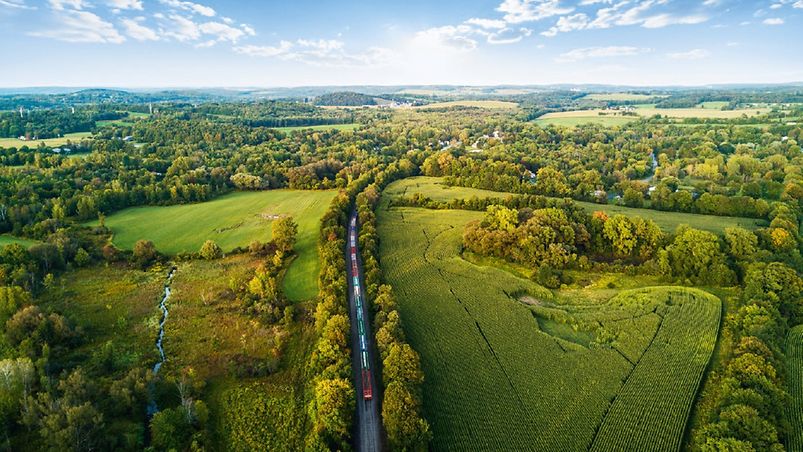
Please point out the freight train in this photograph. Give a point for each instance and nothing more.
(365, 367)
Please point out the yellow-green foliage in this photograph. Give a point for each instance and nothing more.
(539, 373)
(115, 303)
(260, 417)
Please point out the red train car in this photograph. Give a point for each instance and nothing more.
(366, 385)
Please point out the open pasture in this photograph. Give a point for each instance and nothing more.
(434, 188)
(233, 220)
(510, 366)
(622, 97)
(613, 117)
(6, 239)
(17, 143)
(487, 104)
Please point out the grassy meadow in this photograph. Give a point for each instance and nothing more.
(434, 188)
(573, 121)
(114, 304)
(489, 104)
(233, 220)
(248, 412)
(6, 239)
(507, 362)
(17, 143)
(620, 97)
(707, 110)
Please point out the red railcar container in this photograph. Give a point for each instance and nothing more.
(366, 385)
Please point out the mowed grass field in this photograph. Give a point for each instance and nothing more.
(434, 188)
(489, 104)
(505, 372)
(321, 127)
(233, 220)
(17, 143)
(129, 120)
(6, 239)
(574, 121)
(611, 118)
(624, 97)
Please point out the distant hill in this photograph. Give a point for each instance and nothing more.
(345, 99)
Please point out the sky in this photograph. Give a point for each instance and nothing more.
(211, 43)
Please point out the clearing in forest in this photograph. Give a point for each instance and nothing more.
(435, 188)
(539, 373)
(233, 220)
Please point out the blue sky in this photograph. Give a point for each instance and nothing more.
(177, 43)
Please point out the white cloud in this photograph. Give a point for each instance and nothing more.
(694, 54)
(568, 23)
(135, 29)
(322, 52)
(119, 5)
(599, 52)
(80, 26)
(449, 36)
(61, 5)
(283, 48)
(466, 36)
(798, 4)
(180, 28)
(712, 2)
(508, 36)
(663, 20)
(518, 11)
(623, 13)
(195, 8)
(773, 21)
(489, 23)
(16, 4)
(222, 32)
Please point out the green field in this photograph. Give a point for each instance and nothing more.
(794, 353)
(17, 143)
(231, 221)
(489, 104)
(265, 412)
(434, 188)
(574, 121)
(132, 117)
(619, 97)
(509, 372)
(613, 118)
(115, 303)
(716, 105)
(321, 127)
(6, 239)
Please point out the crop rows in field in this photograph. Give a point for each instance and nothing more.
(494, 379)
(651, 409)
(794, 355)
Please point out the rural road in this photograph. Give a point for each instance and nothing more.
(367, 431)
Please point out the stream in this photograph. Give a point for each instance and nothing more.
(152, 408)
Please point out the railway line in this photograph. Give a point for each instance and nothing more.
(368, 436)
